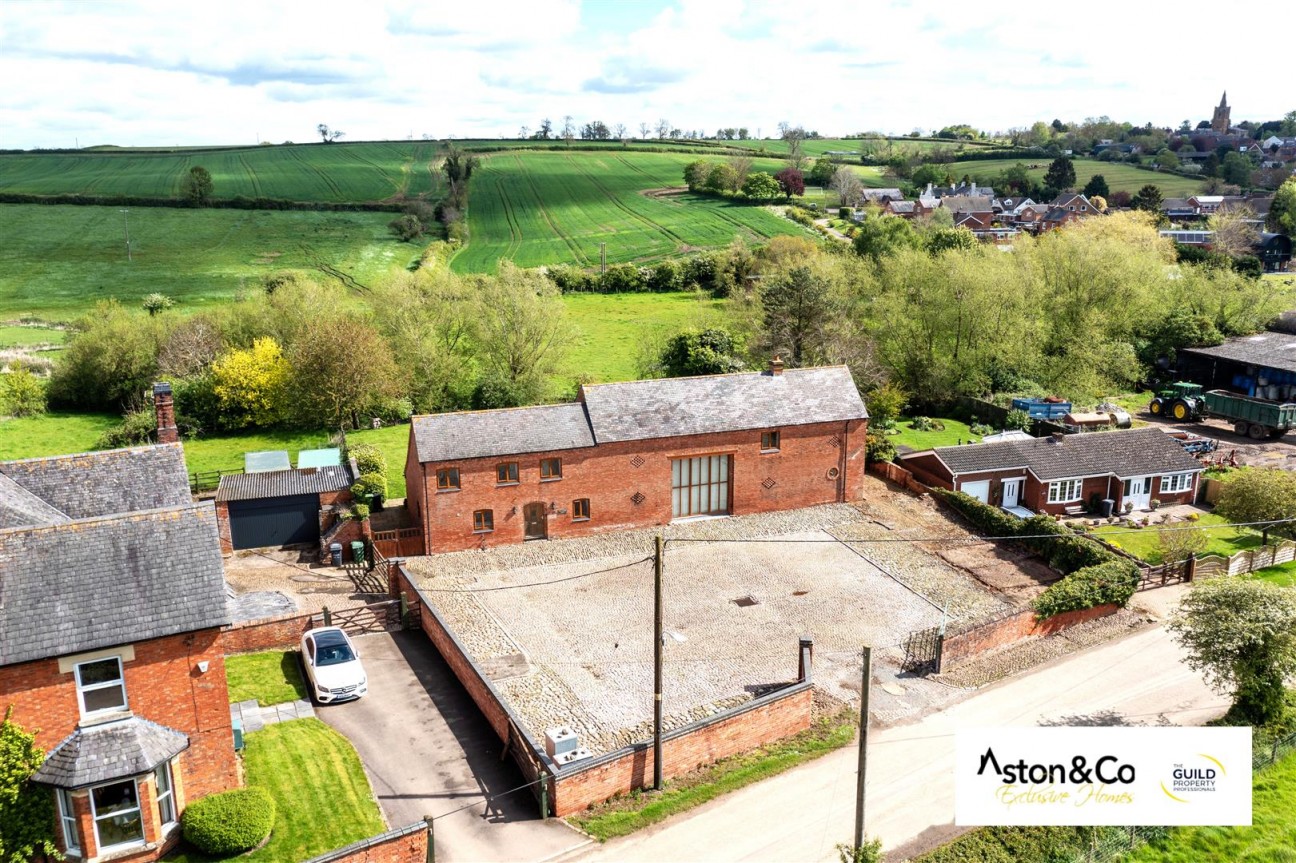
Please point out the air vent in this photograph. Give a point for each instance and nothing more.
(745, 601)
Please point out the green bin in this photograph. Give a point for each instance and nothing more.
(358, 551)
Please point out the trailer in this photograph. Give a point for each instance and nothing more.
(1252, 417)
(1050, 408)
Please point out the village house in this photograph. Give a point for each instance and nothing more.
(110, 644)
(1064, 473)
(637, 454)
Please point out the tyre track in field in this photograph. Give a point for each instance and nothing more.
(616, 202)
(515, 229)
(383, 170)
(328, 181)
(562, 235)
(252, 177)
(737, 224)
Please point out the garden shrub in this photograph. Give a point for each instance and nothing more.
(230, 822)
(369, 483)
(368, 458)
(623, 278)
(878, 447)
(1113, 582)
(988, 520)
(136, 428)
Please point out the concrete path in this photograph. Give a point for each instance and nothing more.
(254, 717)
(801, 815)
(428, 751)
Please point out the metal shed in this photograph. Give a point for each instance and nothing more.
(277, 508)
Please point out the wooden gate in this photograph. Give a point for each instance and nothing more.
(358, 620)
(405, 542)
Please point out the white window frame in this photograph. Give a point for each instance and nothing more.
(1174, 483)
(165, 798)
(94, 816)
(68, 821)
(83, 688)
(1066, 491)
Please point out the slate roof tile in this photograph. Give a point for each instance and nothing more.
(118, 749)
(93, 484)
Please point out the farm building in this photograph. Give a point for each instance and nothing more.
(1061, 473)
(271, 504)
(637, 454)
(1261, 366)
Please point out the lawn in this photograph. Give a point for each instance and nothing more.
(954, 433)
(1271, 838)
(14, 335)
(612, 328)
(1145, 543)
(55, 433)
(1119, 177)
(1283, 575)
(322, 797)
(271, 677)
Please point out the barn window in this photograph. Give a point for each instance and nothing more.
(581, 509)
(483, 521)
(506, 473)
(700, 486)
(448, 479)
(769, 441)
(550, 468)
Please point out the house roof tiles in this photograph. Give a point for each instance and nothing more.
(118, 749)
(88, 485)
(476, 434)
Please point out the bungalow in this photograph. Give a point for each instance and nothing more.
(1064, 473)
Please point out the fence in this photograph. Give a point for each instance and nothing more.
(285, 631)
(405, 542)
(208, 480)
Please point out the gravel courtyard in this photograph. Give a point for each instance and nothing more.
(565, 628)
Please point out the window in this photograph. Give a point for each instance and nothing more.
(1066, 491)
(769, 441)
(116, 814)
(506, 473)
(448, 479)
(1174, 482)
(700, 486)
(165, 794)
(67, 817)
(483, 521)
(101, 686)
(550, 468)
(580, 509)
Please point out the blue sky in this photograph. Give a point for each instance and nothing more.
(153, 73)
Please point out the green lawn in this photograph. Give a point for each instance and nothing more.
(55, 433)
(955, 432)
(322, 797)
(271, 677)
(1271, 838)
(1119, 177)
(1283, 575)
(12, 335)
(1145, 543)
(610, 328)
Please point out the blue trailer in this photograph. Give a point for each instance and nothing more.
(1042, 409)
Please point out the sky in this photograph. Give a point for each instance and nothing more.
(189, 73)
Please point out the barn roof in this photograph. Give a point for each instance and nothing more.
(1268, 349)
(283, 483)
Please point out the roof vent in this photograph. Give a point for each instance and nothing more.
(1058, 437)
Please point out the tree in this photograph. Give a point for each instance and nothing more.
(1061, 174)
(341, 365)
(742, 166)
(1241, 635)
(878, 236)
(760, 186)
(407, 227)
(713, 351)
(545, 132)
(1282, 212)
(722, 177)
(251, 385)
(1147, 199)
(1255, 495)
(1236, 169)
(943, 239)
(26, 810)
(328, 135)
(1180, 543)
(821, 173)
(156, 303)
(663, 128)
(522, 329)
(795, 312)
(109, 361)
(1235, 230)
(22, 394)
(643, 131)
(791, 182)
(1097, 185)
(619, 130)
(793, 136)
(568, 130)
(1166, 159)
(1099, 202)
(196, 186)
(886, 403)
(846, 183)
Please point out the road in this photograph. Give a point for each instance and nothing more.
(802, 814)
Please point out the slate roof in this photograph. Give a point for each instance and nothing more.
(1271, 350)
(642, 410)
(475, 434)
(283, 483)
(1137, 452)
(93, 484)
(21, 508)
(968, 203)
(83, 585)
(111, 750)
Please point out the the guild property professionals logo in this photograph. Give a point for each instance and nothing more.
(1085, 781)
(1195, 777)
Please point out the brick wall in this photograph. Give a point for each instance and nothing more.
(929, 469)
(1010, 629)
(815, 464)
(901, 477)
(223, 527)
(268, 633)
(163, 685)
(402, 845)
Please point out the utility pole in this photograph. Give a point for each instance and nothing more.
(658, 634)
(126, 228)
(863, 747)
(603, 258)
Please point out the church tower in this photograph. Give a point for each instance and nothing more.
(1220, 122)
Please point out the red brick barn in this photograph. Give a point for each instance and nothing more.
(1064, 472)
(110, 644)
(637, 454)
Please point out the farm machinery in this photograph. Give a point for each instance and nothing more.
(1183, 401)
(1255, 418)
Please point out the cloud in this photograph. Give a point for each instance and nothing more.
(624, 75)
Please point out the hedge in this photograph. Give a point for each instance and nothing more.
(1113, 582)
(230, 822)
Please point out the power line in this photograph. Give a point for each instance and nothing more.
(534, 583)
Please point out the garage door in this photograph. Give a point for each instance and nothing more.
(979, 490)
(274, 521)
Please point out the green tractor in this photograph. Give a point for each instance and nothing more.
(1182, 401)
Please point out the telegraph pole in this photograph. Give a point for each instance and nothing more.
(126, 228)
(603, 259)
(863, 747)
(658, 634)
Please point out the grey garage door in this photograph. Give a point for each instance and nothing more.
(274, 521)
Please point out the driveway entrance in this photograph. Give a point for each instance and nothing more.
(428, 751)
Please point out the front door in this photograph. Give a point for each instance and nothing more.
(1138, 491)
(537, 524)
(1011, 492)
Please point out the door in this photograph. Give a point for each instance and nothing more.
(1011, 492)
(274, 521)
(979, 490)
(700, 486)
(537, 523)
(1138, 491)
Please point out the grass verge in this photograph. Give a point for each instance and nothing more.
(628, 813)
(322, 798)
(271, 677)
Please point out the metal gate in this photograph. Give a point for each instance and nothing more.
(923, 651)
(274, 521)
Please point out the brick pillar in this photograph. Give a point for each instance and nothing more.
(164, 407)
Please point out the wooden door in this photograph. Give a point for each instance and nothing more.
(537, 524)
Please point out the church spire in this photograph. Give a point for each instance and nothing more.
(1224, 100)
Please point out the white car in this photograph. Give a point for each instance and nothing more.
(333, 669)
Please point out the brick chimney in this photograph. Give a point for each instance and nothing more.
(165, 410)
(1058, 437)
(776, 366)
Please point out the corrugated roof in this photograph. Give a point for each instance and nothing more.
(670, 407)
(112, 750)
(1137, 452)
(283, 483)
(1272, 350)
(93, 484)
(477, 434)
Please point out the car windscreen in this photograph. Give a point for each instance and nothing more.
(334, 654)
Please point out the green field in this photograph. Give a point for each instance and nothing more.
(535, 208)
(611, 328)
(1145, 543)
(820, 146)
(953, 434)
(1120, 178)
(56, 261)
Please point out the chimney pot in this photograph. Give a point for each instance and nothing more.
(776, 366)
(164, 408)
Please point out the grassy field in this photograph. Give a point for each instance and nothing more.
(537, 208)
(56, 261)
(1119, 177)
(322, 799)
(270, 677)
(1145, 544)
(611, 328)
(954, 433)
(820, 146)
